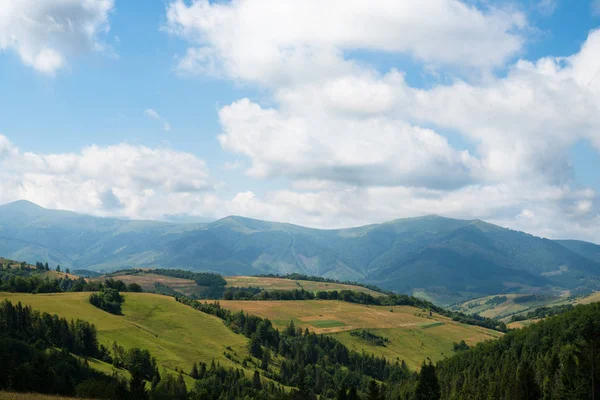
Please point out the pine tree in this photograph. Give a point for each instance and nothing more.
(353, 393)
(342, 394)
(373, 391)
(254, 347)
(58, 268)
(194, 373)
(428, 387)
(256, 381)
(264, 365)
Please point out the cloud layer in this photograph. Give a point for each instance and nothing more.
(46, 33)
(123, 180)
(361, 145)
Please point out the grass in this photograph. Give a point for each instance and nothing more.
(504, 309)
(189, 287)
(413, 335)
(175, 334)
(147, 281)
(290, 284)
(413, 345)
(326, 323)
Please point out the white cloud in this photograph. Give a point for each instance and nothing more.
(46, 33)
(123, 180)
(150, 113)
(342, 149)
(360, 145)
(290, 41)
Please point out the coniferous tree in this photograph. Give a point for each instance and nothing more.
(266, 357)
(342, 393)
(256, 380)
(254, 347)
(194, 373)
(428, 387)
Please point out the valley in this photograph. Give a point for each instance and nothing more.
(444, 260)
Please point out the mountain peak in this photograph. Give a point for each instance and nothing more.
(22, 205)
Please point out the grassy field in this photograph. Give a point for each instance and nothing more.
(504, 309)
(189, 287)
(175, 334)
(147, 281)
(413, 334)
(290, 284)
(413, 345)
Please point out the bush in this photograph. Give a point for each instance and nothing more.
(109, 300)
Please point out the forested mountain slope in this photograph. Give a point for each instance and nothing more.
(554, 359)
(444, 259)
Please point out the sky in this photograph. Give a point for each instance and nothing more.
(325, 114)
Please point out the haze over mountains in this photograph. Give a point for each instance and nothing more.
(444, 259)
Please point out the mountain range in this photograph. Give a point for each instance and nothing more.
(445, 260)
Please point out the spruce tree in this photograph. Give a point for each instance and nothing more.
(194, 374)
(428, 387)
(256, 381)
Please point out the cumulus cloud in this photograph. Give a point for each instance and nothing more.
(375, 151)
(150, 113)
(361, 145)
(277, 42)
(125, 180)
(46, 33)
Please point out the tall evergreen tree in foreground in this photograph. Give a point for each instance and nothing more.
(428, 387)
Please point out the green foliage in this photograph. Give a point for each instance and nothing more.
(557, 358)
(36, 280)
(531, 297)
(428, 387)
(36, 355)
(134, 288)
(313, 363)
(109, 300)
(370, 337)
(542, 312)
(449, 258)
(460, 346)
(496, 300)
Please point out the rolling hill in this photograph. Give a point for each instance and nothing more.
(444, 260)
(412, 333)
(175, 334)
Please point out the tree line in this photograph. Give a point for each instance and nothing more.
(318, 365)
(25, 279)
(557, 358)
(352, 296)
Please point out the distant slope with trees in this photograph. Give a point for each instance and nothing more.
(444, 260)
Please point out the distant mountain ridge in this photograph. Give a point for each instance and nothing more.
(442, 259)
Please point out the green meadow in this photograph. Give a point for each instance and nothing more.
(175, 334)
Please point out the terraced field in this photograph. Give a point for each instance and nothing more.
(175, 334)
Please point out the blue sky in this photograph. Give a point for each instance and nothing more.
(321, 116)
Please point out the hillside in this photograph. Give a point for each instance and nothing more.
(556, 358)
(175, 334)
(413, 334)
(509, 306)
(148, 280)
(441, 259)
